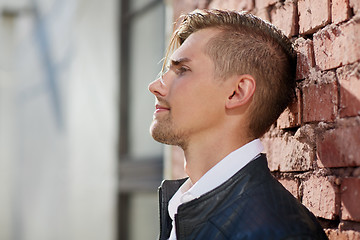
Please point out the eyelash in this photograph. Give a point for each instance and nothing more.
(181, 70)
(178, 70)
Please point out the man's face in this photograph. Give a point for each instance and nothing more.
(190, 101)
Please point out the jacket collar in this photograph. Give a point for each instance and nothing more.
(166, 190)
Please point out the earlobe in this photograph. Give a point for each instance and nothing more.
(242, 92)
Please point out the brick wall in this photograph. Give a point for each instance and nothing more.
(314, 147)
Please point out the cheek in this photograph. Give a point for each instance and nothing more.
(190, 99)
(213, 103)
(184, 106)
(182, 92)
(183, 85)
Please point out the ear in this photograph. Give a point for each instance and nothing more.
(242, 92)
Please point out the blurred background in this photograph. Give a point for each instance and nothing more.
(76, 159)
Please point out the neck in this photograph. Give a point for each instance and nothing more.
(205, 152)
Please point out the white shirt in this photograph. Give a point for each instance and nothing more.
(213, 178)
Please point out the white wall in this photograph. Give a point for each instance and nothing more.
(58, 119)
(7, 127)
(93, 120)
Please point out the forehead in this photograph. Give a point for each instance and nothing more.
(194, 46)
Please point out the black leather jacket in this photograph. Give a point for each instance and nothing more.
(250, 205)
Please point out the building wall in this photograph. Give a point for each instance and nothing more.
(58, 119)
(313, 149)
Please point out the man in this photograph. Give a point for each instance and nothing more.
(228, 80)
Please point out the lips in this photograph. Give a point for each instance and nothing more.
(160, 108)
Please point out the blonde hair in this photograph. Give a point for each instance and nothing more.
(247, 45)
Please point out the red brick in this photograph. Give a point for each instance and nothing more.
(340, 10)
(286, 154)
(349, 78)
(335, 234)
(245, 5)
(337, 45)
(355, 5)
(350, 199)
(284, 16)
(259, 4)
(291, 117)
(306, 134)
(263, 14)
(320, 196)
(291, 186)
(339, 147)
(313, 14)
(182, 6)
(320, 100)
(305, 57)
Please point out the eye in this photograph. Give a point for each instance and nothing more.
(181, 70)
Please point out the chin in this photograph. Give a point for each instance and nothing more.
(166, 135)
(157, 133)
(160, 137)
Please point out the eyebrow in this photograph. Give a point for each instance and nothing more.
(179, 61)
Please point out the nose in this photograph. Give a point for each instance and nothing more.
(158, 87)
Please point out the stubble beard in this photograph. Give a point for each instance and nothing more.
(164, 131)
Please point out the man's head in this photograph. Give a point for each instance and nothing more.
(247, 45)
(189, 100)
(212, 49)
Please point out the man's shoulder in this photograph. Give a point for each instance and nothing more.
(266, 212)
